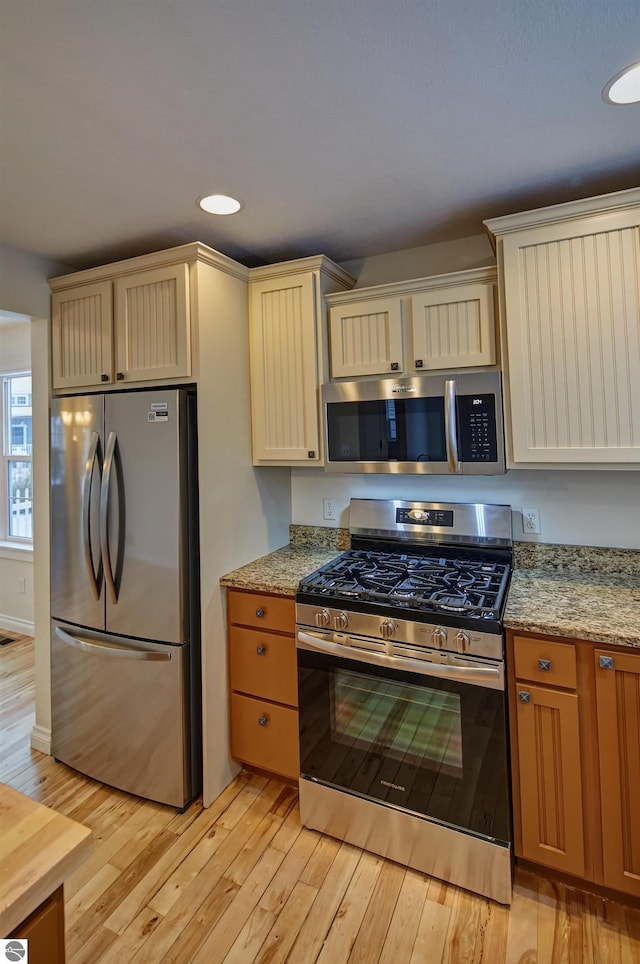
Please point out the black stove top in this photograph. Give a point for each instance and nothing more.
(441, 581)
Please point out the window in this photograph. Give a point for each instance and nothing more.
(16, 484)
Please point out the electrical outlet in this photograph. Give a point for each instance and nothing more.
(330, 510)
(531, 521)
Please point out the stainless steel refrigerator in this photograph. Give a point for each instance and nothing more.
(125, 600)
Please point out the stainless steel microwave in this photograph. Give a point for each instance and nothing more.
(438, 424)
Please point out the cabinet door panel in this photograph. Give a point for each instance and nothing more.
(453, 327)
(573, 325)
(550, 778)
(284, 380)
(82, 336)
(152, 324)
(618, 701)
(366, 338)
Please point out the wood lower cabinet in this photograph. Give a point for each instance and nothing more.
(44, 929)
(618, 704)
(263, 682)
(575, 751)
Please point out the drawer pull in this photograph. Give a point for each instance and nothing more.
(263, 720)
(259, 613)
(524, 697)
(544, 665)
(260, 650)
(606, 662)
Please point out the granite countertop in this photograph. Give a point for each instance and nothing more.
(577, 592)
(280, 571)
(573, 591)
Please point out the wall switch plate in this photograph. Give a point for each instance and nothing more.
(330, 509)
(21, 584)
(531, 521)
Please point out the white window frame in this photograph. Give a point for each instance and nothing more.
(17, 542)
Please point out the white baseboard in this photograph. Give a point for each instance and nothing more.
(41, 739)
(22, 626)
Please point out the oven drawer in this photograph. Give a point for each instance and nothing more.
(543, 661)
(263, 664)
(265, 735)
(276, 613)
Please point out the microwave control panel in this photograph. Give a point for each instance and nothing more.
(477, 428)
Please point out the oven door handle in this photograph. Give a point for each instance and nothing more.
(491, 677)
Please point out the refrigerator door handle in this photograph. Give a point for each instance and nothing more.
(105, 649)
(94, 579)
(105, 490)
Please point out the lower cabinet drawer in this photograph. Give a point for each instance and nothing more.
(263, 664)
(265, 735)
(545, 661)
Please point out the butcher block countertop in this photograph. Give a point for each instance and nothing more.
(39, 849)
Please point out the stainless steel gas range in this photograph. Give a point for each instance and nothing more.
(402, 703)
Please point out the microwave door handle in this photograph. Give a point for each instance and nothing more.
(490, 677)
(450, 425)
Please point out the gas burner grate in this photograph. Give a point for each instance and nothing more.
(410, 581)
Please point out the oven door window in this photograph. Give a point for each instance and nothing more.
(387, 430)
(430, 746)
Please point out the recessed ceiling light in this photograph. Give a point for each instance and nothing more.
(624, 88)
(219, 204)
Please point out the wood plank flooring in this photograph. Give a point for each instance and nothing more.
(244, 882)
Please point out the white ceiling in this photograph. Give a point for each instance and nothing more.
(347, 127)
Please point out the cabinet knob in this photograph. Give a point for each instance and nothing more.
(395, 366)
(260, 650)
(418, 363)
(120, 376)
(544, 665)
(311, 454)
(104, 378)
(524, 697)
(259, 613)
(263, 720)
(606, 662)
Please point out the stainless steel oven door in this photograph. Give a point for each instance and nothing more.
(426, 737)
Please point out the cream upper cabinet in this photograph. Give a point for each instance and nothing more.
(129, 327)
(570, 307)
(288, 358)
(432, 323)
(81, 335)
(151, 324)
(365, 337)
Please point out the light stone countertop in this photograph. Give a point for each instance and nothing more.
(280, 571)
(573, 591)
(597, 606)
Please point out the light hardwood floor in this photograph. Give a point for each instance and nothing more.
(243, 882)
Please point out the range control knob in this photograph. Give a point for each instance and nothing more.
(462, 642)
(387, 629)
(341, 621)
(439, 638)
(322, 618)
